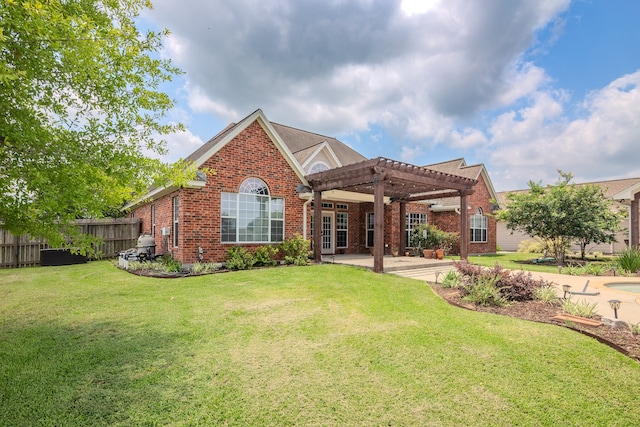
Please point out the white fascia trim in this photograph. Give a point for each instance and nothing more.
(271, 132)
(345, 196)
(627, 194)
(163, 191)
(330, 153)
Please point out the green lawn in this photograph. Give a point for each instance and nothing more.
(323, 345)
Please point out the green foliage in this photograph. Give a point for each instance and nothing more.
(513, 285)
(203, 268)
(265, 256)
(595, 268)
(239, 258)
(81, 105)
(561, 214)
(452, 279)
(532, 246)
(580, 308)
(629, 260)
(427, 236)
(484, 291)
(546, 294)
(295, 250)
(169, 264)
(634, 328)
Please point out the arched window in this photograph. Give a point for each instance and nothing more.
(251, 215)
(318, 167)
(254, 186)
(479, 227)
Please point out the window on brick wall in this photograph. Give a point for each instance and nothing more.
(479, 227)
(175, 221)
(342, 229)
(370, 223)
(153, 220)
(413, 220)
(252, 215)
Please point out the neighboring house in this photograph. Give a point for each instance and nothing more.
(621, 191)
(261, 195)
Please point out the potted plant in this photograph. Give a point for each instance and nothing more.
(448, 241)
(427, 239)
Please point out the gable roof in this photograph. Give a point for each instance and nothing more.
(304, 145)
(459, 167)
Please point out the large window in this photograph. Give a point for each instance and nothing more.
(175, 221)
(342, 229)
(479, 227)
(413, 220)
(252, 215)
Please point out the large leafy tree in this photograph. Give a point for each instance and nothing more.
(80, 106)
(561, 214)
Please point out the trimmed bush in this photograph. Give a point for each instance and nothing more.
(296, 250)
(239, 258)
(264, 256)
(514, 286)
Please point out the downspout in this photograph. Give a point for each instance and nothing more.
(304, 215)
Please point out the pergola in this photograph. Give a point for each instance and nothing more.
(399, 181)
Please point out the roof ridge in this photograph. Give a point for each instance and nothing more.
(306, 131)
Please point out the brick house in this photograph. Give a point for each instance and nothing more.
(261, 195)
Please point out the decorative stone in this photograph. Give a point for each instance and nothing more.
(614, 323)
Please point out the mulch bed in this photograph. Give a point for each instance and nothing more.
(620, 339)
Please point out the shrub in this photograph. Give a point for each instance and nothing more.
(514, 286)
(595, 268)
(629, 260)
(573, 270)
(239, 258)
(169, 264)
(532, 246)
(484, 291)
(581, 308)
(634, 328)
(265, 256)
(546, 294)
(452, 279)
(203, 268)
(295, 250)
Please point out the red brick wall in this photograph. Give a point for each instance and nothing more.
(250, 154)
(450, 221)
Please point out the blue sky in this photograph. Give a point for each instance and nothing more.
(525, 87)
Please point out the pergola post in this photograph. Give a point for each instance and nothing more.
(635, 224)
(317, 226)
(402, 227)
(464, 226)
(378, 224)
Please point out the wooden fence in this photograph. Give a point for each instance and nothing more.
(117, 235)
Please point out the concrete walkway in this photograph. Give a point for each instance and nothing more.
(434, 270)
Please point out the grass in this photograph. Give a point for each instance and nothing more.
(512, 261)
(324, 345)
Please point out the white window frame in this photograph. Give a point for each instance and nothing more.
(176, 217)
(370, 223)
(342, 228)
(419, 218)
(235, 209)
(153, 220)
(478, 227)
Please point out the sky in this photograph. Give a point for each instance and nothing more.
(525, 87)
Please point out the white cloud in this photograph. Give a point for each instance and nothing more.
(536, 141)
(335, 67)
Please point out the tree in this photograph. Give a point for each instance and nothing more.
(562, 213)
(80, 106)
